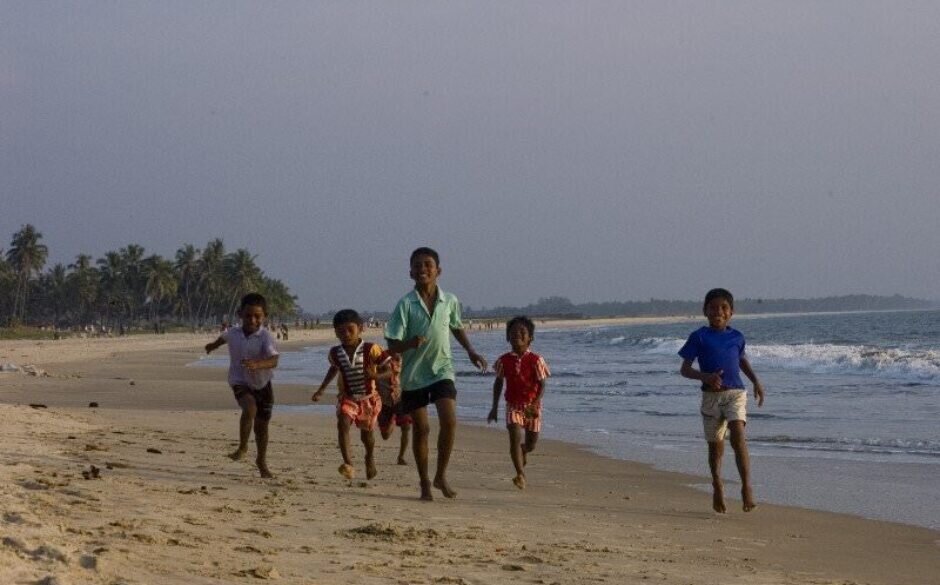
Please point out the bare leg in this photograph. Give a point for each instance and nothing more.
(247, 420)
(716, 449)
(531, 438)
(261, 441)
(517, 453)
(743, 461)
(447, 417)
(368, 440)
(405, 431)
(419, 447)
(342, 435)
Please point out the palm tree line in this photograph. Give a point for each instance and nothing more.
(126, 287)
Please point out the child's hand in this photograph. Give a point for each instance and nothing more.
(712, 381)
(316, 395)
(416, 341)
(492, 417)
(759, 394)
(249, 365)
(209, 347)
(532, 409)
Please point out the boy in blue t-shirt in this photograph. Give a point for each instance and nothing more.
(719, 350)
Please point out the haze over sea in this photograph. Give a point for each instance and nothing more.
(849, 424)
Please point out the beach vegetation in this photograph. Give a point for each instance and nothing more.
(127, 290)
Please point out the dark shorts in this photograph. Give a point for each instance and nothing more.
(414, 399)
(264, 399)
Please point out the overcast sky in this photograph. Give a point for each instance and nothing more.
(594, 150)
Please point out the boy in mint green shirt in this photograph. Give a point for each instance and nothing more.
(419, 329)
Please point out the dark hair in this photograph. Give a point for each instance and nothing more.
(718, 293)
(255, 300)
(346, 316)
(521, 320)
(425, 251)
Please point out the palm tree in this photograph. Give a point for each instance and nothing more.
(27, 257)
(55, 286)
(112, 285)
(280, 302)
(161, 282)
(187, 271)
(7, 282)
(135, 280)
(242, 275)
(83, 282)
(212, 277)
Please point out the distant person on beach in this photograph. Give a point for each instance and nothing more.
(390, 391)
(419, 330)
(524, 373)
(719, 350)
(252, 357)
(358, 364)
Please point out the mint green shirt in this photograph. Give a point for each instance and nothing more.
(433, 361)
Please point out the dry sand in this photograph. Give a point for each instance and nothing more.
(163, 505)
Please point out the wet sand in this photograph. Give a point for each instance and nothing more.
(139, 490)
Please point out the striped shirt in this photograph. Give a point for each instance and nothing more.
(352, 378)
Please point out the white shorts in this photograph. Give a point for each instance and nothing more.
(720, 408)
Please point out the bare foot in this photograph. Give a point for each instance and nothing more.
(519, 480)
(347, 471)
(238, 454)
(441, 484)
(748, 499)
(401, 461)
(718, 498)
(371, 471)
(263, 468)
(426, 494)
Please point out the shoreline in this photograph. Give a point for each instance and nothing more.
(161, 516)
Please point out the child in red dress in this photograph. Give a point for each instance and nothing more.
(524, 373)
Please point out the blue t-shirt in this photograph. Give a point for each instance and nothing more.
(717, 350)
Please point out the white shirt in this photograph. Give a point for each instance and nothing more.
(258, 345)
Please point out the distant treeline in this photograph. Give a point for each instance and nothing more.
(126, 287)
(561, 307)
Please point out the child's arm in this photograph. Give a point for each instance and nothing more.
(758, 388)
(497, 392)
(260, 364)
(210, 347)
(330, 374)
(712, 380)
(400, 346)
(477, 359)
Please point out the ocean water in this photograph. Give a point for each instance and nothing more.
(851, 420)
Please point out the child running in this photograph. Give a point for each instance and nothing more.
(390, 391)
(358, 363)
(525, 373)
(719, 350)
(419, 330)
(252, 357)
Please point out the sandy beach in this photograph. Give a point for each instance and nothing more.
(139, 491)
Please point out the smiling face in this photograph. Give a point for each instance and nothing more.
(348, 334)
(424, 270)
(519, 338)
(252, 318)
(719, 312)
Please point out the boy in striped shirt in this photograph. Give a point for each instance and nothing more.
(524, 373)
(358, 363)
